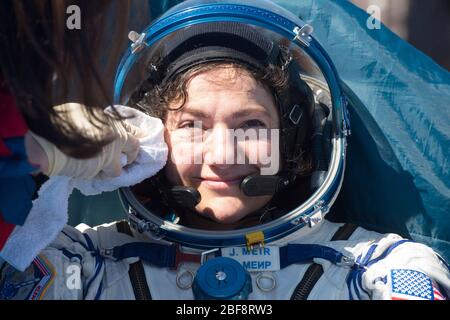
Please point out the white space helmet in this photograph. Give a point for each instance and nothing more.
(312, 109)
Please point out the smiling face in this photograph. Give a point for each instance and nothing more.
(218, 102)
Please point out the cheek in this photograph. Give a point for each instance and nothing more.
(180, 165)
(261, 152)
(184, 147)
(180, 175)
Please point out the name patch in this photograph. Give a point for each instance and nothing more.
(258, 259)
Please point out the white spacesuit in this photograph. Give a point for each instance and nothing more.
(296, 254)
(75, 266)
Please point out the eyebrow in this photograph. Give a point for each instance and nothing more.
(240, 114)
(196, 113)
(249, 112)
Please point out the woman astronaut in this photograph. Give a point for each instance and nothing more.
(209, 226)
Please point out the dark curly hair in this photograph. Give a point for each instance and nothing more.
(156, 98)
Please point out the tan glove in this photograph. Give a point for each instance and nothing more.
(107, 163)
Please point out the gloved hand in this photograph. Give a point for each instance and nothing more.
(108, 163)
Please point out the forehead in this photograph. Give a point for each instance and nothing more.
(227, 90)
(224, 80)
(223, 77)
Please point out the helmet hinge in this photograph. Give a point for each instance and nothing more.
(138, 41)
(320, 209)
(303, 34)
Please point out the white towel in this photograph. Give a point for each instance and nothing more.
(49, 213)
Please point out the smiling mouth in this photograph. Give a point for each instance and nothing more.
(218, 179)
(218, 183)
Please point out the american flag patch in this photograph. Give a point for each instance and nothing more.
(413, 285)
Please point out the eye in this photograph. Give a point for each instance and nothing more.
(254, 123)
(186, 125)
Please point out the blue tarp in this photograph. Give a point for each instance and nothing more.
(398, 171)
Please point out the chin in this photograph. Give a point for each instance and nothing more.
(219, 215)
(226, 218)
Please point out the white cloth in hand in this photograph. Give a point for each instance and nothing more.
(50, 210)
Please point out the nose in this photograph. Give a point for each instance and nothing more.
(218, 147)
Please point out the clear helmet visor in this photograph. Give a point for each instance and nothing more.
(315, 68)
